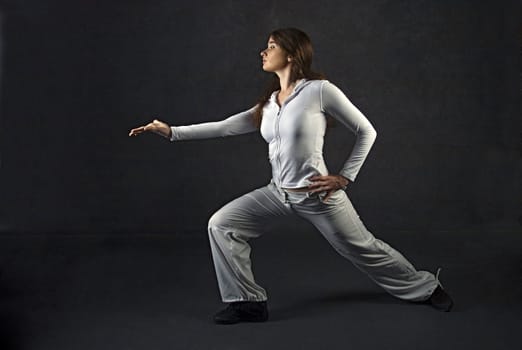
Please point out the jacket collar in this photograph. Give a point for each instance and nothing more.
(300, 84)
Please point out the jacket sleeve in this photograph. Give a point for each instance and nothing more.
(237, 124)
(335, 103)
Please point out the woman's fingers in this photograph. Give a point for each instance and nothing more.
(155, 126)
(319, 184)
(324, 183)
(319, 188)
(148, 127)
(317, 179)
(136, 131)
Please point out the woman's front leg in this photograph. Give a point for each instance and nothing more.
(230, 229)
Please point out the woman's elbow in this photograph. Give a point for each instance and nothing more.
(370, 132)
(374, 133)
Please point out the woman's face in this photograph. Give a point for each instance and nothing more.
(274, 57)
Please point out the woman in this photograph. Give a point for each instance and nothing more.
(292, 118)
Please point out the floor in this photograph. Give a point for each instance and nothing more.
(159, 292)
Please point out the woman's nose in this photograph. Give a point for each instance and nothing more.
(262, 53)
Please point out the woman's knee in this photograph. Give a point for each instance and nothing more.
(218, 219)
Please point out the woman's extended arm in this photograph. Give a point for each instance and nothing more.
(237, 124)
(335, 103)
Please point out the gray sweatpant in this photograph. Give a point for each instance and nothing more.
(235, 223)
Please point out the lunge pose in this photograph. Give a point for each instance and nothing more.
(292, 117)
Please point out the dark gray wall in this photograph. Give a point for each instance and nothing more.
(440, 81)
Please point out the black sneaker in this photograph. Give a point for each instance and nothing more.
(440, 300)
(242, 311)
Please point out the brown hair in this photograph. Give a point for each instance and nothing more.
(297, 44)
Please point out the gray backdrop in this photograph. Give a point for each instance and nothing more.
(439, 80)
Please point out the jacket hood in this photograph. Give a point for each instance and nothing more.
(301, 83)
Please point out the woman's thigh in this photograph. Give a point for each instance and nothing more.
(336, 219)
(251, 211)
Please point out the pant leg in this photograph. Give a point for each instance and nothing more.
(340, 224)
(229, 230)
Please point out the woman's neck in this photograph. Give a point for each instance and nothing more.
(284, 79)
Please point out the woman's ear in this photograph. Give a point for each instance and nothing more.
(289, 58)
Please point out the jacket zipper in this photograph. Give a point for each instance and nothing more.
(278, 136)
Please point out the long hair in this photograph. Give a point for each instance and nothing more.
(297, 44)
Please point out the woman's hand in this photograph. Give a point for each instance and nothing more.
(330, 183)
(155, 126)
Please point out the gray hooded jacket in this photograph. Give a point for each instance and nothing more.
(295, 132)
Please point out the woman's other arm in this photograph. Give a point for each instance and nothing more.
(335, 103)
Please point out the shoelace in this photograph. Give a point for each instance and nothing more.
(437, 276)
